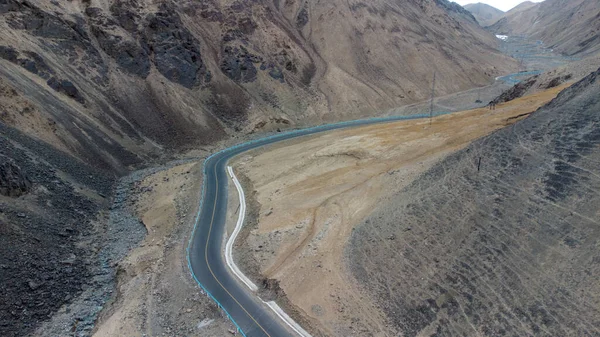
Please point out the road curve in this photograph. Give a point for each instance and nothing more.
(205, 250)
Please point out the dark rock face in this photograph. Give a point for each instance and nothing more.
(247, 26)
(238, 64)
(456, 8)
(175, 51)
(212, 15)
(127, 53)
(13, 181)
(42, 262)
(163, 40)
(518, 90)
(8, 53)
(8, 6)
(126, 13)
(232, 35)
(302, 18)
(555, 82)
(65, 38)
(35, 64)
(67, 88)
(276, 74)
(45, 25)
(130, 57)
(523, 88)
(308, 73)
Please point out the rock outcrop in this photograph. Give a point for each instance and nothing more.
(13, 181)
(124, 80)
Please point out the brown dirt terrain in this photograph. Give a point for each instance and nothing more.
(498, 239)
(310, 193)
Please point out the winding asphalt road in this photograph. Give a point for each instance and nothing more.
(205, 251)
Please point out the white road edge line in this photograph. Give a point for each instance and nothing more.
(238, 227)
(287, 319)
(234, 268)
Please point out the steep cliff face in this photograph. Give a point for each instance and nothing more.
(122, 80)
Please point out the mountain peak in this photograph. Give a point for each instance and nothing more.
(485, 14)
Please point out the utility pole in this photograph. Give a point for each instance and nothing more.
(432, 96)
(522, 64)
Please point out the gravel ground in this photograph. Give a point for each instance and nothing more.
(44, 263)
(61, 240)
(120, 232)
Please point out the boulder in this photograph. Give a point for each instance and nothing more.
(13, 181)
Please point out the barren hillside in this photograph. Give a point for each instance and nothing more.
(569, 26)
(485, 14)
(500, 238)
(122, 80)
(92, 89)
(521, 7)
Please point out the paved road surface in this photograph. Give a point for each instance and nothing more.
(205, 250)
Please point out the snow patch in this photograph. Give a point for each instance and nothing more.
(502, 37)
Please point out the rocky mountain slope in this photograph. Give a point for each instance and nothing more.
(90, 89)
(115, 82)
(49, 230)
(500, 238)
(485, 14)
(569, 26)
